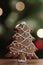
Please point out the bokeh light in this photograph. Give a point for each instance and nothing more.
(20, 6)
(32, 23)
(12, 4)
(41, 1)
(11, 20)
(40, 33)
(41, 16)
(39, 44)
(1, 11)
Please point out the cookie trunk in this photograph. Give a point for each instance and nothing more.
(22, 57)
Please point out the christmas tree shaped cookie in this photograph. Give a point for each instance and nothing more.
(22, 46)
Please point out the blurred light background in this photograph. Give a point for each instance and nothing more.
(13, 12)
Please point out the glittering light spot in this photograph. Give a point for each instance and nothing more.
(40, 33)
(20, 6)
(1, 11)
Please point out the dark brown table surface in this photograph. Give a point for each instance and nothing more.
(15, 62)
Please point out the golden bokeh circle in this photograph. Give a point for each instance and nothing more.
(1, 11)
(20, 6)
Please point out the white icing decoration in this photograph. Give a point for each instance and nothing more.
(17, 25)
(23, 22)
(22, 61)
(12, 49)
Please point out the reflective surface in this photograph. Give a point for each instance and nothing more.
(15, 62)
